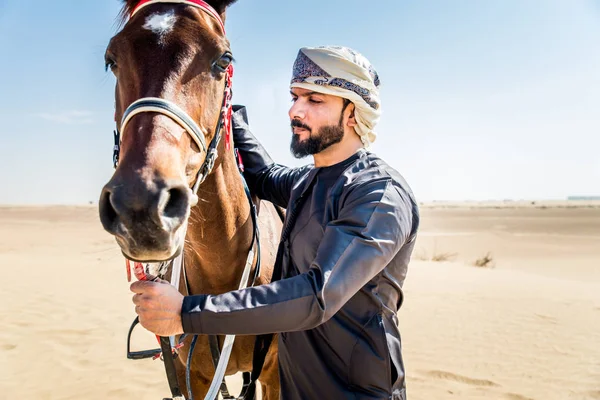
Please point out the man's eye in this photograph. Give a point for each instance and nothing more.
(315, 101)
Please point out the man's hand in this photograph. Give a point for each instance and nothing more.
(158, 305)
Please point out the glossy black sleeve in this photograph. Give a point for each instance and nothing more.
(372, 227)
(268, 180)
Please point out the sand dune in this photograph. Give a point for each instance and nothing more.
(526, 328)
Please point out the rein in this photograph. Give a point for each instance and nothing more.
(168, 346)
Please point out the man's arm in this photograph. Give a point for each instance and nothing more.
(374, 223)
(269, 181)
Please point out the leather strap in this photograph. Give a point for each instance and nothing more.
(168, 108)
(165, 345)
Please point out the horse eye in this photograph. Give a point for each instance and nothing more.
(109, 63)
(222, 63)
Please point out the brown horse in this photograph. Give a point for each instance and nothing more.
(179, 53)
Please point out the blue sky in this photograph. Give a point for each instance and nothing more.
(491, 99)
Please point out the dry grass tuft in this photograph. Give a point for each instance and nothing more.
(443, 257)
(438, 257)
(485, 262)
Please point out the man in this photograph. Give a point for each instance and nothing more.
(350, 229)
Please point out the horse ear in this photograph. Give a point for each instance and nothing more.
(128, 6)
(220, 5)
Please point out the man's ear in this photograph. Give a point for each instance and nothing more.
(351, 118)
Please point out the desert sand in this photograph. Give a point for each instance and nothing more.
(526, 325)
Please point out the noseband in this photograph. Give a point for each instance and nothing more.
(173, 111)
(168, 108)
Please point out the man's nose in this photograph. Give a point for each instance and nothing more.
(297, 111)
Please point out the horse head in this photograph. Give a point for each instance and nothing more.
(172, 62)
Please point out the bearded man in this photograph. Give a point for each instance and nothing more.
(350, 229)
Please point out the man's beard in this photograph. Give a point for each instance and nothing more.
(324, 138)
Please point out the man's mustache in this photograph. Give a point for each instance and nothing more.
(298, 124)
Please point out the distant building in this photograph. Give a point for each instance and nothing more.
(584, 198)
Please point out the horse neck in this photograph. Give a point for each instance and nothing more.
(220, 231)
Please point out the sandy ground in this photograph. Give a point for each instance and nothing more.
(526, 326)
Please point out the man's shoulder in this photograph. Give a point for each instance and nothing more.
(371, 170)
(371, 180)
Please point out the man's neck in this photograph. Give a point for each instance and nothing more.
(338, 152)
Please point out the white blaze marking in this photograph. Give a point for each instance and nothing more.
(161, 24)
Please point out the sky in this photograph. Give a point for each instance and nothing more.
(481, 100)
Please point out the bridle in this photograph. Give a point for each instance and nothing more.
(173, 111)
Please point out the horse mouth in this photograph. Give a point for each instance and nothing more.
(153, 258)
(150, 249)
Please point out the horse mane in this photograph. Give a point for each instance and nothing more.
(128, 5)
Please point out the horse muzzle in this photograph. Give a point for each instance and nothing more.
(146, 219)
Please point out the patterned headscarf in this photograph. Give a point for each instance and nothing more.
(343, 72)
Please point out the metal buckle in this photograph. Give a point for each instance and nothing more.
(116, 148)
(210, 161)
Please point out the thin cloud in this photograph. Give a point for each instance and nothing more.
(70, 117)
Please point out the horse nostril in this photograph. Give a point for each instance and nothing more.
(108, 215)
(176, 205)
